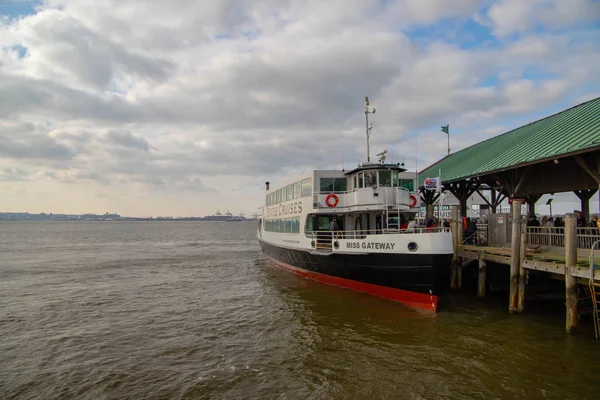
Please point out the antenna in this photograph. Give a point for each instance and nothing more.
(343, 169)
(367, 112)
(382, 156)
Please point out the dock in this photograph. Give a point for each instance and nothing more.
(556, 154)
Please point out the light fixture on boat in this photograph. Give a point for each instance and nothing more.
(267, 185)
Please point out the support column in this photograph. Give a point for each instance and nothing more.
(522, 255)
(515, 256)
(531, 200)
(454, 225)
(428, 197)
(456, 269)
(584, 197)
(481, 284)
(458, 282)
(430, 212)
(570, 280)
(463, 207)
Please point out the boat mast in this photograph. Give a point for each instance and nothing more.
(367, 112)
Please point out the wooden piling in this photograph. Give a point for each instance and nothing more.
(522, 276)
(459, 240)
(515, 257)
(454, 227)
(570, 280)
(455, 242)
(482, 279)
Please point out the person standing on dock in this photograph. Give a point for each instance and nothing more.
(594, 224)
(580, 220)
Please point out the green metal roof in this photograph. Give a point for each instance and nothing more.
(571, 130)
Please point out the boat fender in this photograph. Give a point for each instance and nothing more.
(312, 244)
(413, 201)
(336, 244)
(332, 200)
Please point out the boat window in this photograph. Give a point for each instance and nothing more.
(360, 179)
(333, 185)
(306, 187)
(370, 178)
(297, 190)
(323, 222)
(340, 185)
(385, 178)
(355, 180)
(308, 227)
(395, 178)
(326, 185)
(289, 192)
(278, 200)
(407, 184)
(288, 225)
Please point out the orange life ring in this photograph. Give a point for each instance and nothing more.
(413, 201)
(332, 200)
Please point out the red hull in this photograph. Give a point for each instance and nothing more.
(420, 301)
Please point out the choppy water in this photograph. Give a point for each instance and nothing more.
(177, 310)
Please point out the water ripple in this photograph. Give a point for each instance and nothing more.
(194, 311)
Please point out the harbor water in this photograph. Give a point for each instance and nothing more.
(193, 310)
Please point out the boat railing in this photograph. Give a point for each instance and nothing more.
(380, 196)
(362, 233)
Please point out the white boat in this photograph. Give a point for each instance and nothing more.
(373, 249)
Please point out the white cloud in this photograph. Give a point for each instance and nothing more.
(169, 107)
(510, 16)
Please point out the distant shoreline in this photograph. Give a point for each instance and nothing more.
(129, 220)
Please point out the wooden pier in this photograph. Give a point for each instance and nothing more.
(574, 268)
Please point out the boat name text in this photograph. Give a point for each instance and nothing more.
(286, 209)
(370, 245)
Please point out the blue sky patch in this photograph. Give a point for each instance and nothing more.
(14, 9)
(466, 34)
(21, 50)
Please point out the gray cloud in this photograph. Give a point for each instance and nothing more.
(27, 141)
(126, 139)
(8, 174)
(175, 97)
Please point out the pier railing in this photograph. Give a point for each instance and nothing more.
(555, 236)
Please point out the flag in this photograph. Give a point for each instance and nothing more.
(446, 129)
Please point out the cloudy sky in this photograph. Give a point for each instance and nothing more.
(183, 107)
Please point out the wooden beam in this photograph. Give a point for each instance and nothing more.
(483, 197)
(521, 181)
(587, 169)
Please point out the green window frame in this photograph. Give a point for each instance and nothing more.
(407, 184)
